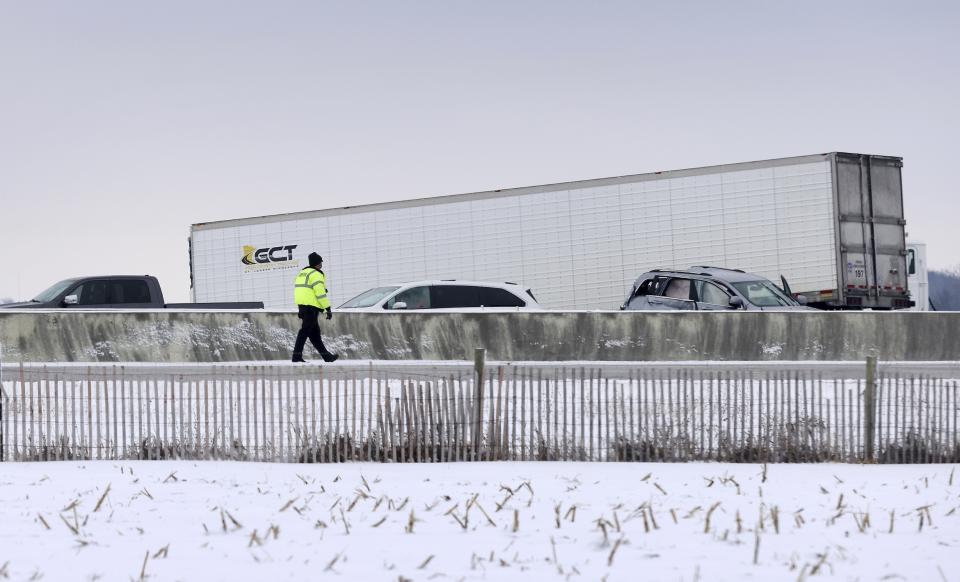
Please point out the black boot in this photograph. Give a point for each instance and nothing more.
(329, 357)
(298, 358)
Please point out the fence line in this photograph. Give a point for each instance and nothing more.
(792, 412)
(433, 369)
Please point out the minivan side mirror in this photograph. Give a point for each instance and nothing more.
(399, 305)
(71, 300)
(736, 302)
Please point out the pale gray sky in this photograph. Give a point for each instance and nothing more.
(122, 123)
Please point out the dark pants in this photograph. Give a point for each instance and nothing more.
(309, 329)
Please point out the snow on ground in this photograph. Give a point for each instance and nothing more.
(186, 520)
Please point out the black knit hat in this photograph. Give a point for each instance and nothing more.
(313, 259)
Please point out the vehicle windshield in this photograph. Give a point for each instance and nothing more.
(764, 294)
(55, 290)
(369, 297)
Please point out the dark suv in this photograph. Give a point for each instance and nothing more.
(708, 289)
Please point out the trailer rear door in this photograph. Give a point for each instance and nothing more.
(872, 242)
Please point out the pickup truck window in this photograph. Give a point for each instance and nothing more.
(91, 293)
(51, 293)
(129, 291)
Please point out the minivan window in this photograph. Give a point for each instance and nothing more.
(369, 297)
(415, 298)
(454, 296)
(494, 297)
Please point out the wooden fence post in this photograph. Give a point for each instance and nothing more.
(869, 409)
(479, 360)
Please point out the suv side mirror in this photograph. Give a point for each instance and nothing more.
(71, 300)
(736, 302)
(802, 299)
(399, 305)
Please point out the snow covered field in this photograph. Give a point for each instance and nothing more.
(186, 520)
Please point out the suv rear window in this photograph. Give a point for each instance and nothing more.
(649, 287)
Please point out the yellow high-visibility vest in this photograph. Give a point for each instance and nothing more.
(310, 288)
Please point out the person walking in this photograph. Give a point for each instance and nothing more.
(310, 295)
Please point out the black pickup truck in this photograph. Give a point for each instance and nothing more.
(115, 292)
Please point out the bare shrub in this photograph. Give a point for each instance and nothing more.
(916, 449)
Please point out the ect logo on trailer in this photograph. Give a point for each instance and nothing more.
(268, 258)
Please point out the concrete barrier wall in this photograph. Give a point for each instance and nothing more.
(192, 336)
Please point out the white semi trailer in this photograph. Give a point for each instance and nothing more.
(832, 224)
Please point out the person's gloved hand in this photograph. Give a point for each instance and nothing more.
(329, 314)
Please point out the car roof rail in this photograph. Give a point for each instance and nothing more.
(718, 268)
